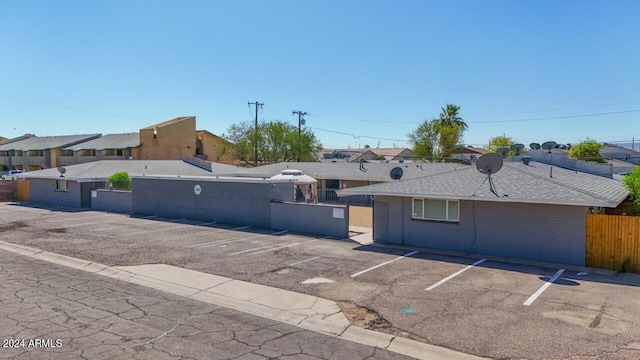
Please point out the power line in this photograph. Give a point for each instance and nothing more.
(557, 117)
(557, 109)
(77, 109)
(358, 136)
(506, 121)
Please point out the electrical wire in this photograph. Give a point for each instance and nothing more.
(77, 109)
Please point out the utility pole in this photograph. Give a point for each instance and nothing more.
(255, 135)
(301, 121)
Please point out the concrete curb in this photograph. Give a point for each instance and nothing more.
(302, 310)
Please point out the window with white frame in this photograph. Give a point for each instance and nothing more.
(61, 185)
(436, 209)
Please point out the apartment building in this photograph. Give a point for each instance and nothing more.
(174, 139)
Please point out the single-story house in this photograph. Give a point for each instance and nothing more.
(364, 154)
(621, 153)
(539, 212)
(468, 153)
(341, 175)
(74, 186)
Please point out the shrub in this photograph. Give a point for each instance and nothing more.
(632, 182)
(120, 180)
(588, 150)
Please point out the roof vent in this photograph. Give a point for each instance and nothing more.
(526, 159)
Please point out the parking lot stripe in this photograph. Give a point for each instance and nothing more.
(76, 218)
(282, 247)
(147, 217)
(454, 275)
(385, 263)
(304, 261)
(85, 224)
(261, 247)
(174, 237)
(544, 287)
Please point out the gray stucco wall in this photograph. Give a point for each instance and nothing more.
(317, 219)
(112, 200)
(44, 191)
(230, 202)
(538, 232)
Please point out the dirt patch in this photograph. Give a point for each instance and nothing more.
(58, 230)
(12, 226)
(363, 317)
(361, 216)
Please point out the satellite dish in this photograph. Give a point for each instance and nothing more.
(534, 146)
(62, 170)
(517, 148)
(489, 163)
(396, 173)
(503, 151)
(549, 145)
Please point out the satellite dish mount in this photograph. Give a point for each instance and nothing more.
(62, 170)
(489, 164)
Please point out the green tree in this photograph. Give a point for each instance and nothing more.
(632, 182)
(277, 141)
(498, 142)
(588, 150)
(120, 180)
(450, 127)
(439, 137)
(424, 139)
(242, 135)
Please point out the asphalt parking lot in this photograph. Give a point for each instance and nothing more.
(485, 307)
(80, 315)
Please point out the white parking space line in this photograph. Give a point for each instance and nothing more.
(225, 241)
(385, 263)
(169, 228)
(303, 261)
(283, 247)
(261, 247)
(157, 226)
(454, 275)
(174, 237)
(116, 227)
(544, 287)
(77, 218)
(220, 242)
(85, 224)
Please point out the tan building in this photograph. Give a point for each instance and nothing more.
(169, 140)
(106, 147)
(175, 139)
(35, 153)
(214, 148)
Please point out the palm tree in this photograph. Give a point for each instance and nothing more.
(449, 117)
(450, 126)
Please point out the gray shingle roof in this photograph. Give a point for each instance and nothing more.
(352, 171)
(46, 142)
(520, 183)
(110, 141)
(101, 170)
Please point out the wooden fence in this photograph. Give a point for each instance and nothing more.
(613, 242)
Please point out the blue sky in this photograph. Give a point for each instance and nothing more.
(367, 72)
